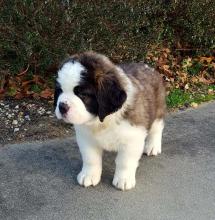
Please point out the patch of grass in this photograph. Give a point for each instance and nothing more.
(192, 67)
(195, 68)
(178, 98)
(36, 88)
(11, 91)
(199, 98)
(211, 87)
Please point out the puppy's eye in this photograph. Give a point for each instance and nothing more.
(76, 90)
(80, 92)
(85, 94)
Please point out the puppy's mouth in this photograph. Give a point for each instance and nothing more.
(61, 116)
(64, 117)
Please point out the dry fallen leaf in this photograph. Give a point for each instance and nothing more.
(182, 76)
(186, 86)
(19, 95)
(47, 93)
(194, 105)
(207, 59)
(36, 95)
(205, 81)
(25, 83)
(167, 50)
(210, 91)
(194, 79)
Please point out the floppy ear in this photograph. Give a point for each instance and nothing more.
(110, 96)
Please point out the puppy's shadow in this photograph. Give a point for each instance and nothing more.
(58, 160)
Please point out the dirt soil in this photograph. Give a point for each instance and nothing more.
(30, 120)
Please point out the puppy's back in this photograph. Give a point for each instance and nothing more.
(149, 100)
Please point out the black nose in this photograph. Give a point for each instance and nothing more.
(63, 108)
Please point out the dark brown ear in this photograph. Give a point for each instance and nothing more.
(110, 96)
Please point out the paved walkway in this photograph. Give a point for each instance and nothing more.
(38, 180)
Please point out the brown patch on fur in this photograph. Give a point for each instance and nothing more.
(98, 66)
(149, 100)
(102, 75)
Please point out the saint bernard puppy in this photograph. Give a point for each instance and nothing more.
(113, 107)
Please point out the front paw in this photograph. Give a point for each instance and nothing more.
(152, 149)
(124, 181)
(88, 177)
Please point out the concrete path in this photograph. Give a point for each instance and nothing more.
(38, 180)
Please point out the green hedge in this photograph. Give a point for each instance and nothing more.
(40, 33)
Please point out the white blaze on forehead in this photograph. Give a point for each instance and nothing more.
(70, 75)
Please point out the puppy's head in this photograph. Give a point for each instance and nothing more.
(88, 86)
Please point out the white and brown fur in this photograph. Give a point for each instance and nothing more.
(114, 108)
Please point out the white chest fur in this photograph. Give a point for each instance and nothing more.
(111, 137)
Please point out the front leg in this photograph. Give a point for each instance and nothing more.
(92, 165)
(127, 161)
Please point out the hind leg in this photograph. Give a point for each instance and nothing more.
(153, 142)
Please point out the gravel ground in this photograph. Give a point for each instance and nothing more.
(29, 120)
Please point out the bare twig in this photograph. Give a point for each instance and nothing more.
(23, 72)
